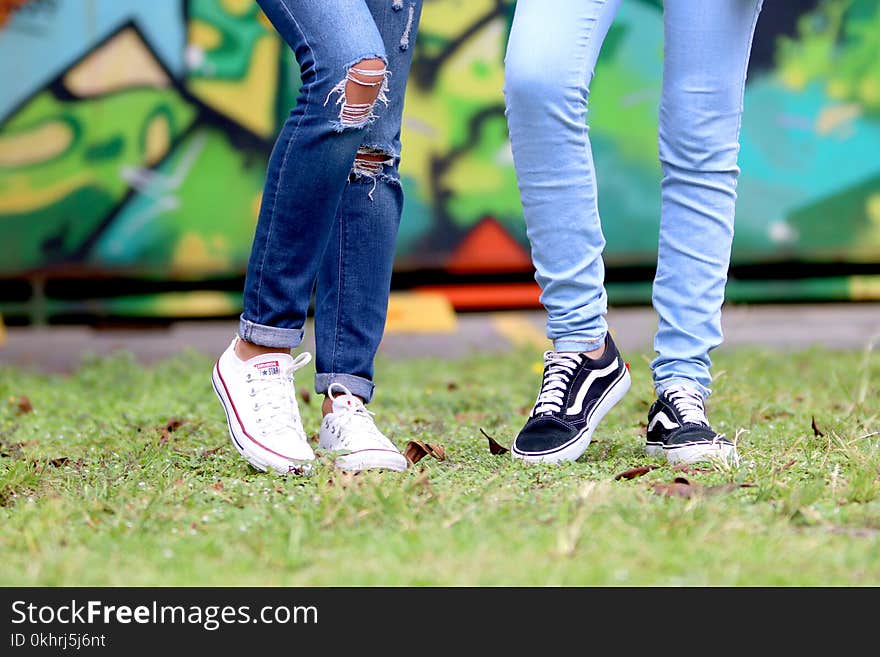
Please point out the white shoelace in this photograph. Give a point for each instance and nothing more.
(278, 393)
(688, 403)
(558, 371)
(354, 424)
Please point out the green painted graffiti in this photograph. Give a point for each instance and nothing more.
(135, 170)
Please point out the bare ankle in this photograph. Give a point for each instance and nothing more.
(246, 350)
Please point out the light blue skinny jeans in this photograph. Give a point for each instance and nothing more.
(551, 56)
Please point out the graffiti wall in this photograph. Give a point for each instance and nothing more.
(134, 138)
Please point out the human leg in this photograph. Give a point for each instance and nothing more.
(354, 281)
(551, 56)
(337, 46)
(342, 60)
(707, 47)
(550, 61)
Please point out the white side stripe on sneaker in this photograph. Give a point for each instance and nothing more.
(578, 404)
(661, 418)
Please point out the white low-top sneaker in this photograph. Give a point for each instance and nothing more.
(259, 398)
(350, 431)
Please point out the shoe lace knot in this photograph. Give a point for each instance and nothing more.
(558, 371)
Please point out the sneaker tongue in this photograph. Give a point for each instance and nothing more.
(270, 365)
(346, 403)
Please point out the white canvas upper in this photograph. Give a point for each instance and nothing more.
(259, 397)
(349, 429)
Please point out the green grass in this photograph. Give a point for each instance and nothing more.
(93, 492)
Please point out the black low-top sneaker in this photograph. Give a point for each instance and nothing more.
(576, 393)
(678, 429)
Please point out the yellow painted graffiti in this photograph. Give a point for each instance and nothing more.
(204, 35)
(193, 254)
(36, 145)
(195, 304)
(158, 139)
(251, 100)
(237, 7)
(122, 63)
(19, 198)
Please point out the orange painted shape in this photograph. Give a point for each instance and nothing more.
(489, 248)
(490, 296)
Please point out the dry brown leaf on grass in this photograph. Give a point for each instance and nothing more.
(23, 405)
(816, 430)
(494, 446)
(680, 487)
(174, 424)
(635, 472)
(416, 450)
(165, 431)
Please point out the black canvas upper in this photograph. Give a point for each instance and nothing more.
(673, 429)
(563, 410)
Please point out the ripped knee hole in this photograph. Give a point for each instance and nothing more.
(371, 162)
(365, 83)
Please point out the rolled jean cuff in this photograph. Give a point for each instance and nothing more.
(269, 336)
(579, 343)
(357, 385)
(661, 386)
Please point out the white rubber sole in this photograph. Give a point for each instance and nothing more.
(694, 453)
(253, 453)
(578, 445)
(372, 459)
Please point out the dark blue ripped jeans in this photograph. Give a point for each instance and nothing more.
(332, 201)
